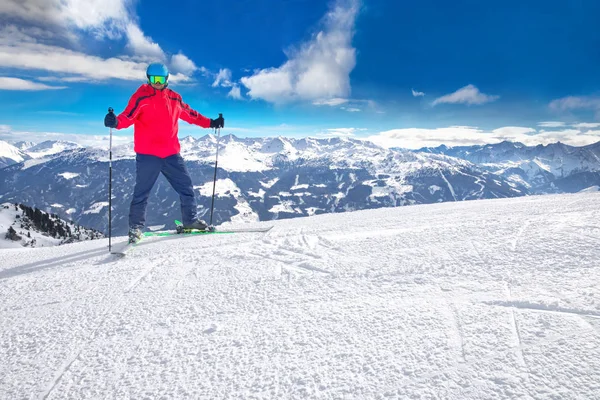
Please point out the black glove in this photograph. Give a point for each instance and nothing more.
(110, 121)
(218, 123)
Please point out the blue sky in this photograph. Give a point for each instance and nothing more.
(401, 73)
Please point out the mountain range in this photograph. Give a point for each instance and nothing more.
(275, 178)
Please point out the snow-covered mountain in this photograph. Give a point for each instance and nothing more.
(274, 178)
(493, 299)
(259, 179)
(50, 147)
(24, 150)
(10, 154)
(24, 145)
(23, 226)
(536, 167)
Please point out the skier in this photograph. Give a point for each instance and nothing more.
(155, 110)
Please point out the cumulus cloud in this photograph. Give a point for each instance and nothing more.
(34, 39)
(469, 94)
(417, 94)
(319, 68)
(235, 93)
(102, 18)
(142, 45)
(30, 55)
(223, 78)
(7, 83)
(181, 63)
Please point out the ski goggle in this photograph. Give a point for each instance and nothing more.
(157, 79)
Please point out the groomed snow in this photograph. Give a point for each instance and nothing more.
(491, 299)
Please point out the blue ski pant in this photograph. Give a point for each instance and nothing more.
(147, 170)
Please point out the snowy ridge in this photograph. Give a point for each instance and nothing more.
(536, 164)
(10, 154)
(50, 147)
(23, 226)
(467, 300)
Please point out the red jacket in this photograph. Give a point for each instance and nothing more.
(156, 114)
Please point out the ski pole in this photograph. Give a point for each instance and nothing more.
(212, 204)
(110, 110)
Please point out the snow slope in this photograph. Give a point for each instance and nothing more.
(9, 154)
(469, 300)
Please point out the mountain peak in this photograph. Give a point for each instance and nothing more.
(10, 154)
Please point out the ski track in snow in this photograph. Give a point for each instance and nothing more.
(468, 300)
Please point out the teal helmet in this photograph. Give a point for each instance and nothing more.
(157, 70)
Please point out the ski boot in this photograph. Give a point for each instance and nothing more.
(135, 235)
(198, 225)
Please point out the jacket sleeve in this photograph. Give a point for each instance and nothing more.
(193, 117)
(132, 111)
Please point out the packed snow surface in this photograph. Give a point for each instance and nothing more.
(469, 300)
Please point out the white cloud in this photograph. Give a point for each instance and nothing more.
(336, 101)
(513, 133)
(415, 138)
(101, 18)
(417, 94)
(32, 10)
(181, 63)
(104, 18)
(143, 46)
(43, 24)
(75, 79)
(587, 125)
(580, 125)
(235, 93)
(223, 78)
(573, 137)
(7, 83)
(34, 56)
(75, 66)
(350, 105)
(552, 124)
(100, 141)
(339, 132)
(574, 103)
(319, 69)
(467, 95)
(204, 71)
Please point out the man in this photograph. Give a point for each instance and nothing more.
(154, 110)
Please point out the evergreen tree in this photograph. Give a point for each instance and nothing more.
(12, 234)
